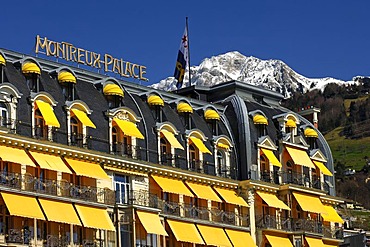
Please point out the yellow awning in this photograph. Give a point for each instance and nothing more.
(211, 114)
(309, 203)
(223, 145)
(314, 242)
(330, 244)
(199, 144)
(87, 169)
(230, 196)
(331, 215)
(155, 100)
(271, 157)
(308, 132)
(290, 123)
(96, 218)
(240, 239)
(172, 139)
(50, 162)
(203, 191)
(15, 155)
(172, 186)
(260, 119)
(30, 68)
(300, 157)
(24, 206)
(185, 232)
(184, 107)
(112, 89)
(48, 113)
(128, 128)
(214, 236)
(276, 241)
(2, 60)
(82, 116)
(65, 76)
(62, 212)
(272, 200)
(323, 168)
(151, 223)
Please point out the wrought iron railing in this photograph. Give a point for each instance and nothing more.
(30, 183)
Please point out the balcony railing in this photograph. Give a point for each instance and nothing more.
(57, 188)
(292, 224)
(144, 198)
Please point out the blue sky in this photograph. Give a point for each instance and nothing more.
(315, 38)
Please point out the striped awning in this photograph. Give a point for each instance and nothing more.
(30, 68)
(65, 76)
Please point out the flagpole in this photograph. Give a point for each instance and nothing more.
(187, 31)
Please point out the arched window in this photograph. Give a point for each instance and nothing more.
(289, 172)
(221, 162)
(76, 132)
(193, 157)
(121, 143)
(68, 90)
(165, 151)
(115, 139)
(40, 126)
(3, 114)
(265, 168)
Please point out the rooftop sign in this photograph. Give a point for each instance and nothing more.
(106, 62)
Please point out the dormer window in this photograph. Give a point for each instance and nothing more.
(78, 122)
(167, 144)
(222, 156)
(185, 109)
(32, 73)
(114, 95)
(156, 103)
(196, 150)
(67, 81)
(311, 137)
(260, 121)
(212, 117)
(44, 119)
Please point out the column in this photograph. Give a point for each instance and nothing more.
(252, 215)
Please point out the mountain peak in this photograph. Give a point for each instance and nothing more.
(271, 74)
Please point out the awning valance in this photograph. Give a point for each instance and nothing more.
(65, 76)
(223, 145)
(84, 119)
(172, 139)
(272, 200)
(24, 206)
(96, 218)
(260, 119)
(323, 168)
(271, 157)
(185, 232)
(214, 236)
(309, 203)
(172, 186)
(314, 242)
(300, 157)
(331, 215)
(290, 123)
(210, 114)
(308, 132)
(112, 89)
(15, 155)
(231, 197)
(277, 241)
(61, 212)
(151, 223)
(200, 145)
(155, 100)
(2, 60)
(128, 128)
(87, 169)
(48, 113)
(50, 162)
(30, 68)
(203, 191)
(184, 107)
(240, 239)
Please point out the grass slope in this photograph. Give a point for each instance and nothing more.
(351, 152)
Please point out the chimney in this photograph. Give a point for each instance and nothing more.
(311, 114)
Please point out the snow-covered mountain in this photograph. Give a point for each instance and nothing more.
(271, 74)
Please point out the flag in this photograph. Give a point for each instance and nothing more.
(182, 59)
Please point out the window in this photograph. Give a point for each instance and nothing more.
(261, 130)
(265, 169)
(1, 73)
(223, 170)
(187, 120)
(114, 101)
(41, 130)
(213, 126)
(157, 113)
(68, 90)
(165, 148)
(121, 144)
(312, 142)
(122, 185)
(194, 163)
(3, 114)
(76, 132)
(32, 81)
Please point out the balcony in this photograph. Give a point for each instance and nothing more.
(144, 198)
(56, 188)
(296, 225)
